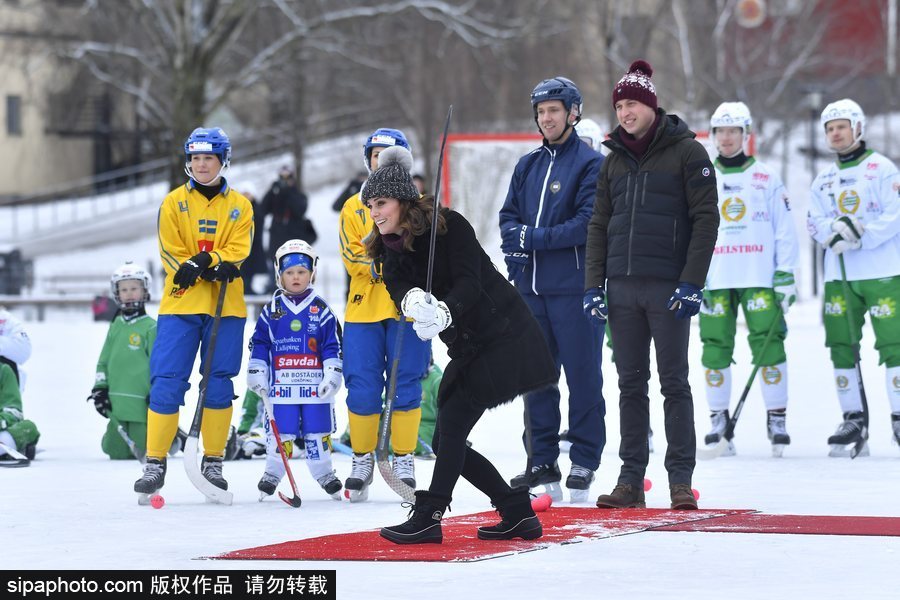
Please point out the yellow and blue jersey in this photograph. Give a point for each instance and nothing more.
(368, 300)
(188, 223)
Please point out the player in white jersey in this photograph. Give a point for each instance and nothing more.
(854, 211)
(752, 267)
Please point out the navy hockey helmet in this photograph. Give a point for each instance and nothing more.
(558, 88)
(383, 137)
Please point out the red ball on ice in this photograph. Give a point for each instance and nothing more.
(696, 493)
(541, 503)
(647, 484)
(157, 501)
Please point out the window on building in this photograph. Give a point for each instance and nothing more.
(14, 115)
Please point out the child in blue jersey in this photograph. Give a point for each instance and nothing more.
(296, 367)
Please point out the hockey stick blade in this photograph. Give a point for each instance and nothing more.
(714, 451)
(15, 458)
(200, 482)
(384, 435)
(860, 443)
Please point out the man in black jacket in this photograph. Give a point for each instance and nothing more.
(649, 245)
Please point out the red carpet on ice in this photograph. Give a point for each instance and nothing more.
(562, 525)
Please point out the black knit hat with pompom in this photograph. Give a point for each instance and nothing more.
(392, 179)
(636, 85)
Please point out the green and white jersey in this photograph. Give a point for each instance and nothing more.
(869, 189)
(757, 235)
(124, 366)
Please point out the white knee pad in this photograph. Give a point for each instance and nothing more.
(318, 453)
(773, 382)
(847, 385)
(718, 388)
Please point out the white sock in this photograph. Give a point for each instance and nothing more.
(318, 454)
(847, 385)
(773, 382)
(274, 466)
(892, 379)
(718, 388)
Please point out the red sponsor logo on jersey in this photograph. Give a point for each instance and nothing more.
(205, 245)
(739, 249)
(313, 344)
(760, 177)
(297, 361)
(871, 166)
(313, 310)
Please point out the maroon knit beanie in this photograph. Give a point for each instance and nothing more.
(636, 85)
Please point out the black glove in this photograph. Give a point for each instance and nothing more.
(191, 269)
(224, 271)
(100, 398)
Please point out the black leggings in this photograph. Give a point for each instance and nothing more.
(456, 418)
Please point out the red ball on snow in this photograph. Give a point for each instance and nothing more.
(541, 503)
(157, 501)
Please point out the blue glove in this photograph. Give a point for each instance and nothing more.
(686, 300)
(516, 263)
(595, 305)
(516, 238)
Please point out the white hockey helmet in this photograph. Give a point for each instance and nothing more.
(732, 114)
(846, 109)
(590, 132)
(130, 271)
(291, 254)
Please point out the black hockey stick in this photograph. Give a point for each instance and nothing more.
(191, 444)
(381, 451)
(864, 434)
(719, 447)
(132, 446)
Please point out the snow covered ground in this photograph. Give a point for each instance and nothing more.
(74, 509)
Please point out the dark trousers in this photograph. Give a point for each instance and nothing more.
(637, 314)
(575, 342)
(456, 418)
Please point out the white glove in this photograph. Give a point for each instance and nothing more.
(850, 228)
(332, 375)
(839, 244)
(418, 305)
(441, 320)
(258, 377)
(785, 289)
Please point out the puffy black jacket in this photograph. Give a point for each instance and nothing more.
(657, 216)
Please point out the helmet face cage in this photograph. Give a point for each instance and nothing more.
(130, 272)
(849, 110)
(558, 88)
(204, 140)
(383, 137)
(732, 114)
(294, 247)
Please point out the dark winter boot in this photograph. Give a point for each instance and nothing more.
(623, 496)
(211, 467)
(682, 497)
(154, 476)
(518, 519)
(424, 523)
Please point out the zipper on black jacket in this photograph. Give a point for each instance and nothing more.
(631, 223)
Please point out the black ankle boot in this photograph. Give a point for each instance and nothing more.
(424, 524)
(518, 519)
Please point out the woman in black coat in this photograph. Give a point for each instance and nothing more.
(496, 347)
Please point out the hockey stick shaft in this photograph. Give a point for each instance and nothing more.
(295, 500)
(851, 325)
(384, 435)
(191, 444)
(437, 205)
(132, 446)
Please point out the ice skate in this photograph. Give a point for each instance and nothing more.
(547, 476)
(405, 469)
(847, 435)
(331, 484)
(361, 475)
(778, 435)
(719, 419)
(211, 467)
(267, 485)
(151, 481)
(579, 483)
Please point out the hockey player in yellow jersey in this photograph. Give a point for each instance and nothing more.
(205, 230)
(370, 333)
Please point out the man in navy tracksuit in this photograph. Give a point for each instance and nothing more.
(543, 225)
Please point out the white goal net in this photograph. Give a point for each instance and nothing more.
(476, 173)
